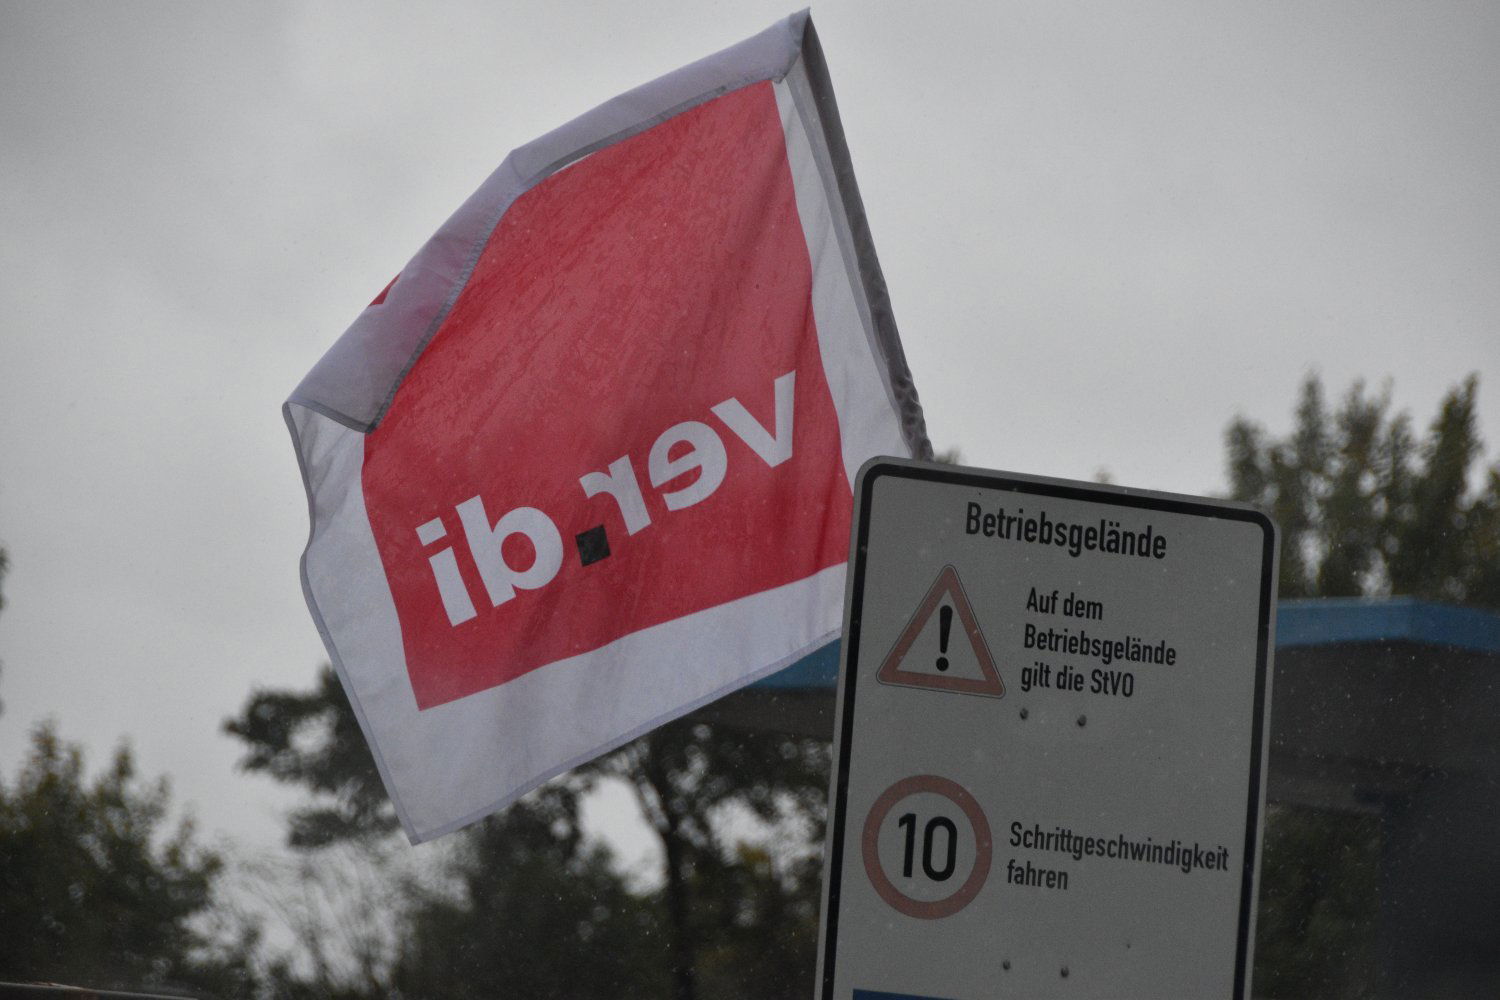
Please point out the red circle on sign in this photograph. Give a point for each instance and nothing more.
(983, 846)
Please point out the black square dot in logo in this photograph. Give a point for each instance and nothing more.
(593, 545)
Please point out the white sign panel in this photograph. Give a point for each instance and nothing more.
(1052, 714)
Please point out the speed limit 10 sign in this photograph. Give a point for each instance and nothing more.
(1052, 713)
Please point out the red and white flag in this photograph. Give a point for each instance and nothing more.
(585, 464)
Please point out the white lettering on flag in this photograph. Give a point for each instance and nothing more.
(773, 448)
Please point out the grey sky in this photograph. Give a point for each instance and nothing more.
(1107, 229)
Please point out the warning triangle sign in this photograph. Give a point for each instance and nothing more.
(931, 653)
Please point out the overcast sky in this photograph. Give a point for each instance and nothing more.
(1107, 230)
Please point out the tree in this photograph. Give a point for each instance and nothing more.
(728, 912)
(312, 739)
(93, 890)
(527, 905)
(1319, 873)
(1365, 509)
(730, 906)
(540, 912)
(766, 912)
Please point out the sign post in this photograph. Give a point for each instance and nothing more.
(1050, 765)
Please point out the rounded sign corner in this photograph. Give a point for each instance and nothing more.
(1270, 530)
(877, 466)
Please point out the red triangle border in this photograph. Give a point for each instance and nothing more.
(989, 686)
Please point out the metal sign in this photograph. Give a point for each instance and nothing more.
(1052, 714)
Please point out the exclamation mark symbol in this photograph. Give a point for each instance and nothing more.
(945, 625)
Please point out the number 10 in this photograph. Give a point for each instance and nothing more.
(909, 823)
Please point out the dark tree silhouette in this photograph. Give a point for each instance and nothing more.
(727, 913)
(95, 892)
(1366, 509)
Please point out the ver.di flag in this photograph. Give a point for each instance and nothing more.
(585, 464)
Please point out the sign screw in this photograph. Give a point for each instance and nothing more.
(1083, 720)
(1024, 713)
(1005, 965)
(1065, 972)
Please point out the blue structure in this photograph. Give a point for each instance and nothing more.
(1388, 619)
(1298, 624)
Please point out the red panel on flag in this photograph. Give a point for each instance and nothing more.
(629, 294)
